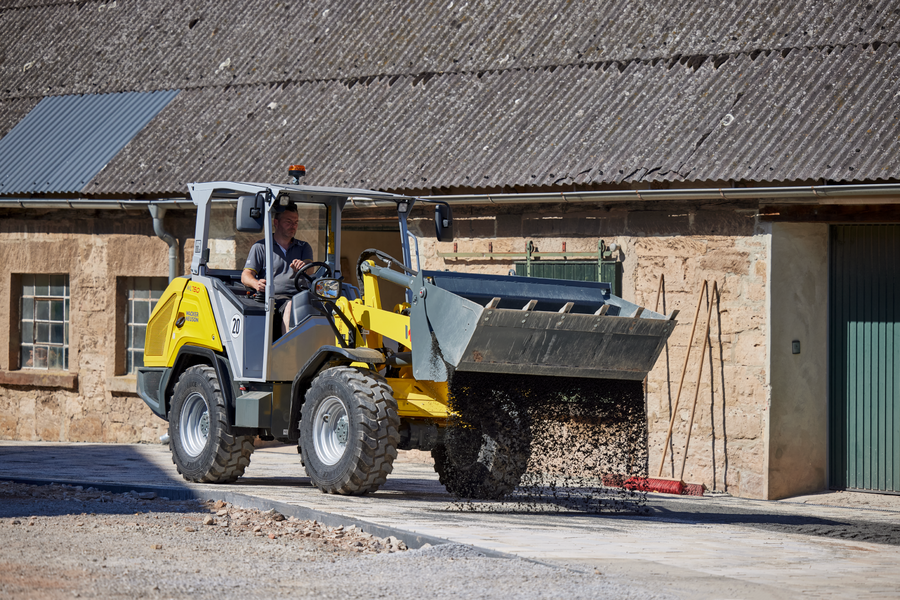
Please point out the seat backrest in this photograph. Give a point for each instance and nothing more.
(302, 307)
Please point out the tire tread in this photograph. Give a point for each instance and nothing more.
(232, 456)
(379, 425)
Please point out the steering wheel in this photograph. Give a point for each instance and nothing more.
(309, 278)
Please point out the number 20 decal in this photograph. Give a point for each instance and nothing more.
(235, 326)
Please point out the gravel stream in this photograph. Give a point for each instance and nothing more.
(65, 542)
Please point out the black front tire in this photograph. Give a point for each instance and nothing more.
(203, 447)
(349, 431)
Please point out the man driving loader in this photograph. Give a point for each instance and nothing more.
(290, 256)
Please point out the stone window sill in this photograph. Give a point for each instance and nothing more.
(122, 384)
(37, 378)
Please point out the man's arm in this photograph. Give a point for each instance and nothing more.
(248, 278)
(255, 263)
(306, 255)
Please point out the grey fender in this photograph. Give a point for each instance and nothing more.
(189, 356)
(327, 356)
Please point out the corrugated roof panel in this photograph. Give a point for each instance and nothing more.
(66, 140)
(14, 110)
(805, 116)
(796, 117)
(168, 44)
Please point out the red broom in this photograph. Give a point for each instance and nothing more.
(664, 484)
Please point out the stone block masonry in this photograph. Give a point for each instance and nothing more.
(93, 401)
(686, 245)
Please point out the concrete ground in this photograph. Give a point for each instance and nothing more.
(829, 545)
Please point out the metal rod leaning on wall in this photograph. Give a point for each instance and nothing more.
(662, 283)
(681, 381)
(662, 280)
(712, 295)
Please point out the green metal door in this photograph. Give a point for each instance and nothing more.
(604, 268)
(865, 357)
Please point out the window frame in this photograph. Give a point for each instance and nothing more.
(127, 289)
(53, 290)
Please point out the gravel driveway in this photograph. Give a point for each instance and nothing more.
(65, 542)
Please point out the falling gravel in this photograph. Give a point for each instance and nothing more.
(64, 542)
(546, 444)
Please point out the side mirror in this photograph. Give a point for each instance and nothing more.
(249, 215)
(443, 222)
(327, 289)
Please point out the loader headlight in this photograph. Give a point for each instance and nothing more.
(327, 289)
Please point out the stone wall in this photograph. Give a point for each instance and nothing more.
(687, 245)
(93, 401)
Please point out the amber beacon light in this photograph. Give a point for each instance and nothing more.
(297, 171)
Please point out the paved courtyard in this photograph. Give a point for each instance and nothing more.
(831, 545)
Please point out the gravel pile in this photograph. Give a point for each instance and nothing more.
(64, 542)
(216, 518)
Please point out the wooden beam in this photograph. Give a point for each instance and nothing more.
(861, 213)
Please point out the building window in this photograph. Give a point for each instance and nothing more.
(45, 322)
(143, 293)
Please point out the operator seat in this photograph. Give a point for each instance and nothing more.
(303, 307)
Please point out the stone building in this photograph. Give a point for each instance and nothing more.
(752, 147)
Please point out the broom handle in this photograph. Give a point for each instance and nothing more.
(681, 381)
(712, 294)
(662, 282)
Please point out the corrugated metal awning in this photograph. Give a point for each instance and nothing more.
(66, 140)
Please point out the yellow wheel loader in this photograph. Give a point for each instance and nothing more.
(351, 381)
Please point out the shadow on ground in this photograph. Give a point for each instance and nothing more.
(697, 513)
(58, 470)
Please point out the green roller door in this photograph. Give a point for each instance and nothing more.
(865, 357)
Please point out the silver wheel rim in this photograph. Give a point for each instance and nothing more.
(331, 430)
(194, 424)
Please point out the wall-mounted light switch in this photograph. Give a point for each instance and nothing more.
(795, 347)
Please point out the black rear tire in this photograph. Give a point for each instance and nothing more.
(349, 431)
(203, 447)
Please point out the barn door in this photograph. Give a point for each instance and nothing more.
(864, 288)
